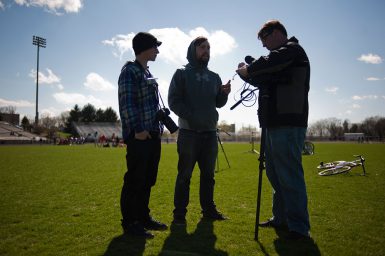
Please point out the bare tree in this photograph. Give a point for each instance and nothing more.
(319, 128)
(8, 110)
(224, 126)
(345, 125)
(48, 122)
(64, 117)
(334, 127)
(248, 129)
(380, 128)
(369, 126)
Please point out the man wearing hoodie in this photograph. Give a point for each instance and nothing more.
(194, 94)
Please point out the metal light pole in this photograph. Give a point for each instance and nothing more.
(39, 42)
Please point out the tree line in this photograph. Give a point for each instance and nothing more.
(49, 125)
(329, 128)
(89, 114)
(334, 129)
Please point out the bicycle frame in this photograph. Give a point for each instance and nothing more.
(337, 167)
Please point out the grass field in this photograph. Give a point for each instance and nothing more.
(64, 200)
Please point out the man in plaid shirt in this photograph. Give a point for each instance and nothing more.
(138, 105)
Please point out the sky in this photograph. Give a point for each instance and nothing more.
(88, 41)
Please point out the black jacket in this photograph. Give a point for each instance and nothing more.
(283, 78)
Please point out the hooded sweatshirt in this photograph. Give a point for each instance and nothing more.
(195, 93)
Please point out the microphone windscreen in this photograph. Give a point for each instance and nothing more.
(249, 59)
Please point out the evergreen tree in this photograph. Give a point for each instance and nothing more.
(88, 113)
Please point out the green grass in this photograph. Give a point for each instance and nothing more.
(63, 134)
(64, 200)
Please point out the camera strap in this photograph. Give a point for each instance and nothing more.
(160, 97)
(156, 86)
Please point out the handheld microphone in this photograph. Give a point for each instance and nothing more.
(249, 59)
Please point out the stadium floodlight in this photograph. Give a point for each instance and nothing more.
(39, 42)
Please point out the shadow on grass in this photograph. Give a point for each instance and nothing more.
(286, 247)
(200, 242)
(126, 245)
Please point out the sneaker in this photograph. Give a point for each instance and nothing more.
(137, 229)
(151, 224)
(295, 236)
(179, 220)
(214, 215)
(271, 224)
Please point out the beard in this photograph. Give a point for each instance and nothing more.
(204, 60)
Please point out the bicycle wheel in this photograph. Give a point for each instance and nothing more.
(329, 165)
(334, 170)
(308, 148)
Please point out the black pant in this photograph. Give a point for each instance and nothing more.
(142, 168)
(195, 147)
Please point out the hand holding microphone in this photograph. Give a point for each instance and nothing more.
(241, 64)
(242, 67)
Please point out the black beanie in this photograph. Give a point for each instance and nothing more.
(143, 41)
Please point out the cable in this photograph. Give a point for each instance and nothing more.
(247, 94)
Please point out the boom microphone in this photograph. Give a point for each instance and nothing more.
(249, 59)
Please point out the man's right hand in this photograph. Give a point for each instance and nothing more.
(242, 70)
(142, 135)
(241, 64)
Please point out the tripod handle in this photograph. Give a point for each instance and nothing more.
(236, 104)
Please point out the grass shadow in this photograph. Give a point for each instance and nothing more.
(200, 242)
(126, 245)
(285, 247)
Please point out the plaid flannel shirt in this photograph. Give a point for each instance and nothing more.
(138, 100)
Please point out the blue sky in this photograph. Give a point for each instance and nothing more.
(88, 41)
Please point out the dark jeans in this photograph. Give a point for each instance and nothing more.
(142, 169)
(195, 147)
(285, 172)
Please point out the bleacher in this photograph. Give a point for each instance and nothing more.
(10, 134)
(106, 128)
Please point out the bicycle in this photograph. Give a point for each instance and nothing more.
(308, 148)
(337, 167)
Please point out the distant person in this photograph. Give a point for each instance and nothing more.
(96, 138)
(138, 105)
(194, 94)
(283, 76)
(102, 140)
(113, 141)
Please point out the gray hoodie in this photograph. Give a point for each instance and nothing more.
(194, 94)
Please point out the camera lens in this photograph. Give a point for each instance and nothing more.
(170, 125)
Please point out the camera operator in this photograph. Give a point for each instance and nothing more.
(283, 78)
(141, 128)
(194, 94)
